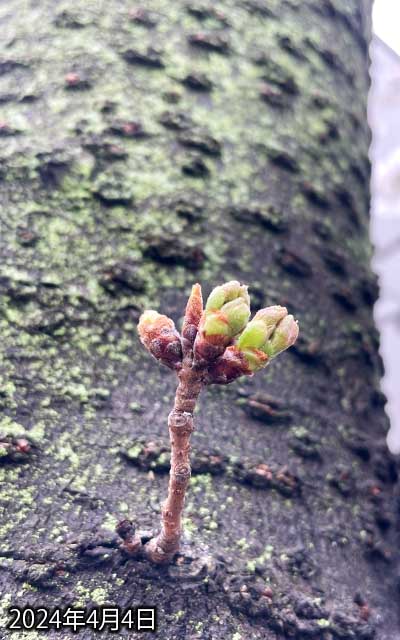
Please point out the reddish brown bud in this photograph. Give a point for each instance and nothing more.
(158, 334)
(194, 309)
(228, 367)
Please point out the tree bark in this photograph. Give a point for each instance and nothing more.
(144, 150)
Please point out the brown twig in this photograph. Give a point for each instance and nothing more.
(180, 422)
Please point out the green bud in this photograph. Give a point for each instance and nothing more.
(237, 313)
(225, 293)
(227, 310)
(254, 335)
(283, 337)
(216, 299)
(261, 327)
(270, 316)
(215, 323)
(226, 314)
(270, 332)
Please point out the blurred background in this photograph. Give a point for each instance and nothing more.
(384, 119)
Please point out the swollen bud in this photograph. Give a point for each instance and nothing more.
(261, 327)
(284, 336)
(237, 313)
(270, 332)
(225, 293)
(191, 321)
(158, 334)
(270, 316)
(226, 314)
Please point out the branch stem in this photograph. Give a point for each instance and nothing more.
(180, 422)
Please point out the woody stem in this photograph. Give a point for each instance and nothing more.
(180, 422)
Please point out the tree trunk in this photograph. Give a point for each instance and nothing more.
(142, 151)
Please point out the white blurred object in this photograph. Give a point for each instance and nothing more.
(386, 21)
(384, 119)
(387, 178)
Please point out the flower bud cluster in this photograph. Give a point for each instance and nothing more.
(220, 338)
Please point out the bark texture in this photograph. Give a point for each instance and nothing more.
(142, 151)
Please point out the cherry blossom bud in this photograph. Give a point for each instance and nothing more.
(261, 327)
(270, 316)
(225, 293)
(284, 336)
(267, 335)
(237, 313)
(158, 334)
(226, 314)
(191, 321)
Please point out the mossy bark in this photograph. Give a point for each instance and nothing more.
(143, 151)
